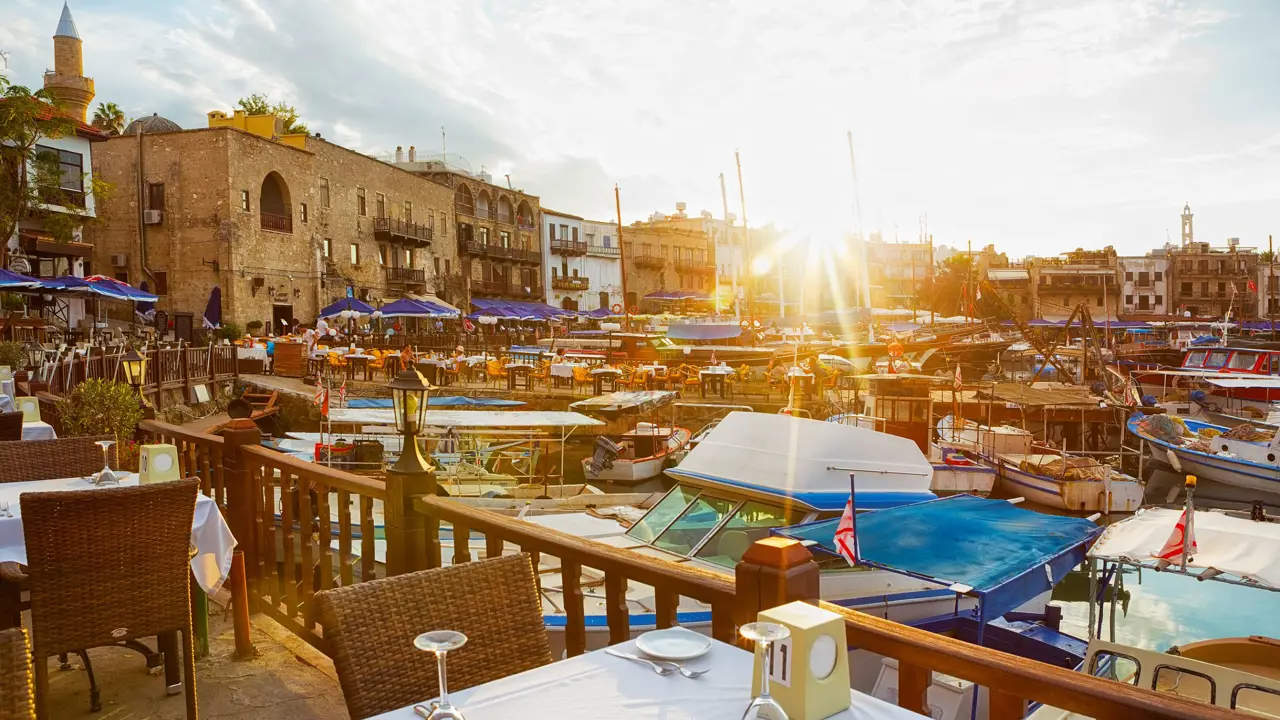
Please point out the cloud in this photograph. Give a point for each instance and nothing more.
(1029, 124)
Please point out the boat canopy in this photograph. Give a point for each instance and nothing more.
(809, 461)
(988, 548)
(469, 418)
(704, 331)
(627, 401)
(438, 401)
(1245, 381)
(1234, 546)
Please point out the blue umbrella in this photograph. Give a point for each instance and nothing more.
(213, 310)
(346, 304)
(408, 307)
(12, 280)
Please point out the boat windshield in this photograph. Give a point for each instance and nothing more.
(1217, 359)
(750, 523)
(1243, 361)
(658, 518)
(1196, 359)
(694, 524)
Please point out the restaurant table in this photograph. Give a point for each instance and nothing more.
(431, 370)
(210, 534)
(602, 375)
(714, 375)
(562, 373)
(599, 686)
(516, 371)
(38, 430)
(358, 361)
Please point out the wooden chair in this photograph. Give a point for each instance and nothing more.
(94, 583)
(17, 696)
(10, 426)
(692, 377)
(52, 459)
(495, 372)
(370, 629)
(541, 372)
(582, 378)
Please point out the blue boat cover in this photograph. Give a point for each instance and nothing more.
(996, 548)
(441, 401)
(704, 331)
(10, 279)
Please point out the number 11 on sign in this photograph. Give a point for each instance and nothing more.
(780, 662)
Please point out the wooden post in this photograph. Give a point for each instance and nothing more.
(242, 516)
(413, 539)
(774, 571)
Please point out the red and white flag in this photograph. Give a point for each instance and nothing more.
(1182, 537)
(958, 383)
(342, 394)
(846, 539)
(319, 394)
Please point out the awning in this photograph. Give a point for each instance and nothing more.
(998, 274)
(991, 546)
(704, 331)
(469, 418)
(406, 307)
(1234, 546)
(438, 401)
(431, 299)
(515, 310)
(43, 244)
(346, 304)
(628, 401)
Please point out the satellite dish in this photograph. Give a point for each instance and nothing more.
(20, 265)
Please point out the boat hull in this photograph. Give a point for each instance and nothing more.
(634, 472)
(1237, 472)
(1074, 495)
(958, 479)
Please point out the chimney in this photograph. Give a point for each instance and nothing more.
(413, 154)
(399, 154)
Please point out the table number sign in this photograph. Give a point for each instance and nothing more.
(157, 463)
(6, 372)
(809, 675)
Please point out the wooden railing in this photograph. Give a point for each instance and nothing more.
(167, 369)
(304, 528)
(277, 223)
(199, 455)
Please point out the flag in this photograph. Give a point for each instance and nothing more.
(1252, 287)
(1182, 537)
(324, 409)
(846, 539)
(957, 384)
(342, 394)
(319, 395)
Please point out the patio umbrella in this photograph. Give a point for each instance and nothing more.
(10, 280)
(346, 304)
(213, 310)
(408, 307)
(116, 290)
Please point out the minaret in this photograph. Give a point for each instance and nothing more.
(67, 82)
(1187, 234)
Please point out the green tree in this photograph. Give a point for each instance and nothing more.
(948, 295)
(109, 118)
(33, 183)
(258, 104)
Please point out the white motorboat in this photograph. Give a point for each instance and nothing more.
(642, 452)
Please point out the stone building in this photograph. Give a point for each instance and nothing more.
(897, 271)
(668, 256)
(1145, 285)
(283, 224)
(1079, 277)
(1207, 280)
(497, 244)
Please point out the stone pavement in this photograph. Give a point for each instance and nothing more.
(289, 679)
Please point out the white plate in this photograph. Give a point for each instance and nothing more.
(673, 644)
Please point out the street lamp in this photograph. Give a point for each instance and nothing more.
(409, 392)
(135, 369)
(35, 355)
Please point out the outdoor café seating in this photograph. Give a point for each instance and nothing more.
(25, 460)
(371, 626)
(17, 694)
(10, 426)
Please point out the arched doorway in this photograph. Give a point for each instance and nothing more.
(273, 204)
(568, 303)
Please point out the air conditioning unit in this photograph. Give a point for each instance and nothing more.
(152, 217)
(119, 260)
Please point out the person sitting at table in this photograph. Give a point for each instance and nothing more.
(406, 358)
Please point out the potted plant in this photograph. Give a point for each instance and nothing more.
(104, 407)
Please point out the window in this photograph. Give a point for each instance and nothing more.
(1186, 288)
(324, 192)
(575, 234)
(551, 232)
(1159, 276)
(408, 258)
(244, 200)
(665, 251)
(504, 238)
(1144, 279)
(408, 211)
(1254, 700)
(1159, 299)
(380, 205)
(751, 522)
(447, 269)
(155, 196)
(355, 254)
(1099, 302)
(1222, 287)
(360, 209)
(444, 223)
(162, 283)
(604, 299)
(484, 236)
(431, 220)
(564, 232)
(1128, 277)
(302, 211)
(1113, 666)
(1144, 302)
(1180, 681)
(436, 263)
(591, 238)
(657, 519)
(1128, 299)
(328, 247)
(1204, 288)
(608, 241)
(70, 167)
(382, 254)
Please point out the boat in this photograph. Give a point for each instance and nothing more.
(641, 452)
(1241, 456)
(1043, 475)
(953, 473)
(1232, 377)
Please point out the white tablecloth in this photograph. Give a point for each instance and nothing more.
(38, 430)
(7, 387)
(717, 370)
(6, 403)
(606, 371)
(597, 686)
(565, 370)
(251, 353)
(210, 534)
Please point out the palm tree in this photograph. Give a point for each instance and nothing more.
(109, 118)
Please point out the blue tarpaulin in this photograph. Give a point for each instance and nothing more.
(704, 331)
(441, 401)
(995, 548)
(10, 279)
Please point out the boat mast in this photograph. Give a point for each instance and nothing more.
(862, 242)
(933, 290)
(746, 231)
(733, 259)
(1271, 284)
(622, 258)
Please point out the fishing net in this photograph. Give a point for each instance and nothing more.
(1164, 427)
(1249, 433)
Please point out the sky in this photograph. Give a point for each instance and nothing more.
(1036, 125)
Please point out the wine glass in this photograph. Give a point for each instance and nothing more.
(441, 642)
(765, 634)
(107, 476)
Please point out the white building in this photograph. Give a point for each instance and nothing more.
(563, 252)
(602, 266)
(1144, 284)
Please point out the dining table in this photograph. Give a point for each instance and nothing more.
(38, 430)
(600, 686)
(715, 376)
(603, 375)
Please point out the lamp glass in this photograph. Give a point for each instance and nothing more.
(135, 367)
(409, 392)
(35, 354)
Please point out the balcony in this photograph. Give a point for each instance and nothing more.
(406, 276)
(568, 247)
(570, 282)
(393, 230)
(462, 208)
(504, 218)
(277, 223)
(648, 260)
(604, 251)
(63, 197)
(525, 224)
(474, 247)
(534, 292)
(701, 267)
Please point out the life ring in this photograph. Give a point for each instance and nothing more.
(617, 308)
(635, 310)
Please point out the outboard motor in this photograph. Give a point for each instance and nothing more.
(602, 456)
(1200, 398)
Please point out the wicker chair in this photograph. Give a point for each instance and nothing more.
(370, 628)
(17, 700)
(50, 459)
(94, 583)
(10, 426)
